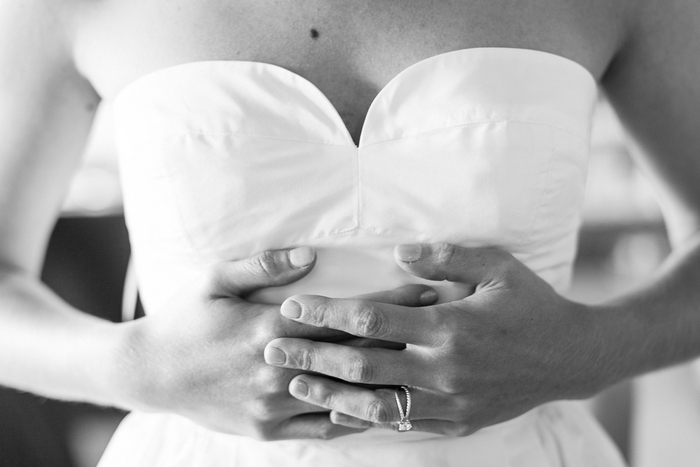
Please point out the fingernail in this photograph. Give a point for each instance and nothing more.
(408, 253)
(275, 356)
(302, 256)
(291, 309)
(300, 388)
(428, 297)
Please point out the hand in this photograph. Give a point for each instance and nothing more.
(203, 357)
(512, 345)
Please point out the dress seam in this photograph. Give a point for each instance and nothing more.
(385, 141)
(248, 135)
(364, 230)
(483, 122)
(178, 205)
(543, 197)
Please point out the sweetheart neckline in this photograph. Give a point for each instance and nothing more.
(285, 71)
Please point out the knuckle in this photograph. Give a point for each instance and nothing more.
(448, 339)
(369, 321)
(323, 396)
(269, 329)
(379, 411)
(265, 264)
(444, 252)
(278, 385)
(449, 384)
(464, 410)
(262, 411)
(325, 432)
(262, 331)
(304, 359)
(263, 431)
(441, 320)
(360, 370)
(461, 408)
(317, 313)
(436, 268)
(271, 380)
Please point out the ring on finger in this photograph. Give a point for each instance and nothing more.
(404, 422)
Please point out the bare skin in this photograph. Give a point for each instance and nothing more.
(356, 52)
(58, 58)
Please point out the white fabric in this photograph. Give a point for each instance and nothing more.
(224, 159)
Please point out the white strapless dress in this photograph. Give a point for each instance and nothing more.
(224, 159)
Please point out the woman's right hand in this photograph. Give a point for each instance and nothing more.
(203, 358)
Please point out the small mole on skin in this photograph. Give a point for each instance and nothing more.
(314, 33)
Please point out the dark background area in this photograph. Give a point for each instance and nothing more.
(85, 264)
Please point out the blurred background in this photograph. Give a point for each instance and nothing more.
(655, 420)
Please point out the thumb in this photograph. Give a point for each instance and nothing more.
(267, 269)
(446, 262)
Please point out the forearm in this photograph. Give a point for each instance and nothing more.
(655, 326)
(48, 348)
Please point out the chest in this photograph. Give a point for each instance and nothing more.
(349, 50)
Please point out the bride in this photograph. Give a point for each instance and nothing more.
(351, 222)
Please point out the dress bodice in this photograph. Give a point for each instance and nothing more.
(224, 159)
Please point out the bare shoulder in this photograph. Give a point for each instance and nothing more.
(30, 22)
(38, 74)
(35, 40)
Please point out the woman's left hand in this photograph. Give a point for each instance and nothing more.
(510, 346)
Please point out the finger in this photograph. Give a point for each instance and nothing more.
(364, 318)
(291, 406)
(349, 421)
(310, 426)
(440, 427)
(444, 261)
(408, 295)
(304, 331)
(361, 342)
(352, 364)
(413, 295)
(370, 405)
(267, 269)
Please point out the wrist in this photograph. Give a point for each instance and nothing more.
(101, 366)
(618, 344)
(131, 374)
(591, 350)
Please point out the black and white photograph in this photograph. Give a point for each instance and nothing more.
(310, 233)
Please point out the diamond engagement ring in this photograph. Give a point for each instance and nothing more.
(404, 423)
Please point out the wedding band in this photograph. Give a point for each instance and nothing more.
(404, 423)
